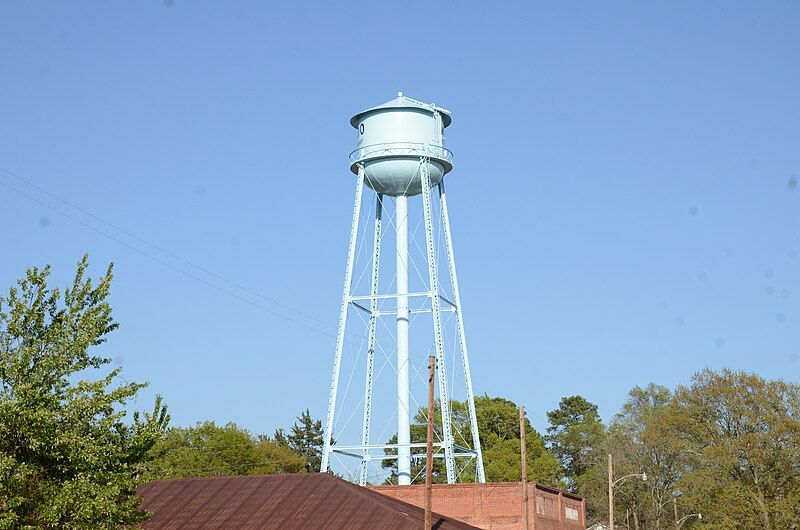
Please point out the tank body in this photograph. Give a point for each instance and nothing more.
(392, 138)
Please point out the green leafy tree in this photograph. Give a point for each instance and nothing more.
(305, 439)
(641, 441)
(210, 450)
(726, 446)
(642, 436)
(283, 459)
(419, 434)
(743, 440)
(575, 430)
(68, 458)
(498, 427)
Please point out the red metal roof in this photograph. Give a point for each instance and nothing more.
(317, 500)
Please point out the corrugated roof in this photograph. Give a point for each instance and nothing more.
(403, 102)
(317, 500)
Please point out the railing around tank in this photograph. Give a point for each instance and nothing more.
(401, 149)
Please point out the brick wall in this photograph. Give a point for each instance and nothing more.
(497, 506)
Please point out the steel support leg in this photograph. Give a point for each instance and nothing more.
(403, 346)
(433, 273)
(373, 324)
(337, 360)
(451, 261)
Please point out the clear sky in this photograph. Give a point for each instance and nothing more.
(625, 199)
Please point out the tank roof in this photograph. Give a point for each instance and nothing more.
(403, 102)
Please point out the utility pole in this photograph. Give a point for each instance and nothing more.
(675, 510)
(429, 448)
(524, 458)
(610, 493)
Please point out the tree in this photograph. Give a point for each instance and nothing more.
(209, 450)
(726, 446)
(743, 440)
(641, 442)
(305, 439)
(67, 456)
(498, 428)
(575, 429)
(419, 434)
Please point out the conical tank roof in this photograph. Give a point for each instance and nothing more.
(403, 102)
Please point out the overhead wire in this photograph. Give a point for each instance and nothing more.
(168, 253)
(163, 250)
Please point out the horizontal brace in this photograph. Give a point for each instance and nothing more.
(415, 311)
(415, 456)
(419, 456)
(389, 295)
(339, 448)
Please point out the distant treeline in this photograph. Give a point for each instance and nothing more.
(727, 446)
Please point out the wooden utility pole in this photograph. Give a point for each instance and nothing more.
(429, 449)
(610, 493)
(524, 458)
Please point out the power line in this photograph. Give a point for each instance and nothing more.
(163, 262)
(163, 250)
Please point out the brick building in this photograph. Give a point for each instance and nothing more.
(498, 506)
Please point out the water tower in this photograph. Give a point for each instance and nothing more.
(400, 156)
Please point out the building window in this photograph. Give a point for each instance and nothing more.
(546, 506)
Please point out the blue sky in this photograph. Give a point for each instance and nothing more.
(624, 199)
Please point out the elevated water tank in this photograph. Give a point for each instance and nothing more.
(391, 140)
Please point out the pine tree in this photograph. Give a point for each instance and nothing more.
(575, 429)
(305, 439)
